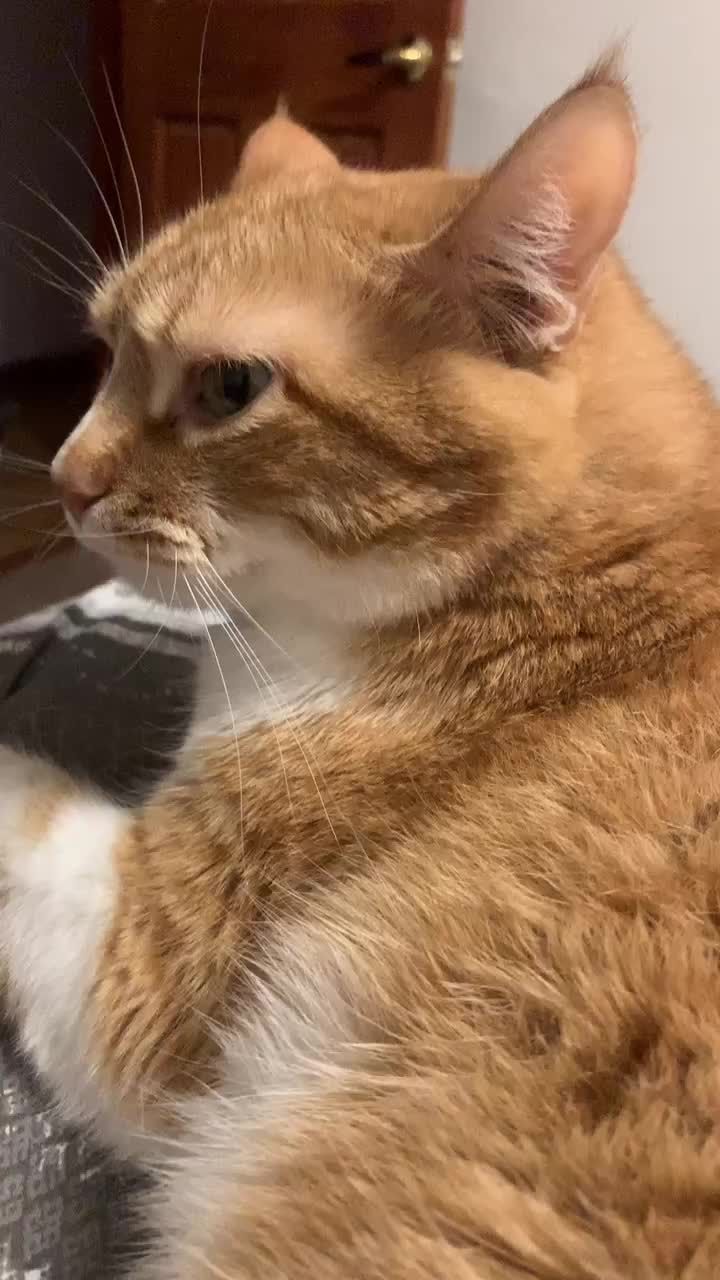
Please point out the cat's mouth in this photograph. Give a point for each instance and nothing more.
(159, 547)
(154, 564)
(165, 543)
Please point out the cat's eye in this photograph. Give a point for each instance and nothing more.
(230, 386)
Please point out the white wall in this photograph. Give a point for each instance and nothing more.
(520, 54)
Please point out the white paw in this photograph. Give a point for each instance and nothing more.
(27, 785)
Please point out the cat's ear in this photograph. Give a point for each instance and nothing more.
(521, 255)
(282, 146)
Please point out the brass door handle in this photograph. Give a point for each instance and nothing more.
(411, 57)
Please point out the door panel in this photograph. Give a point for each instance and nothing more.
(175, 154)
(363, 150)
(255, 50)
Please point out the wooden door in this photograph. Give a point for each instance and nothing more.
(332, 60)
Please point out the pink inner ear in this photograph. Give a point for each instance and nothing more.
(566, 183)
(282, 146)
(583, 149)
(521, 255)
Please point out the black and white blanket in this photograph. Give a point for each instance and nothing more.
(103, 686)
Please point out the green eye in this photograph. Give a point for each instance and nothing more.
(230, 386)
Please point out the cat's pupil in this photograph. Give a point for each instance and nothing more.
(235, 381)
(228, 387)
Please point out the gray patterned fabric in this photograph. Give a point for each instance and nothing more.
(103, 686)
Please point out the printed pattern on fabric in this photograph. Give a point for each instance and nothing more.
(103, 686)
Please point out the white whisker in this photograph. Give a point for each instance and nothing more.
(33, 506)
(238, 642)
(51, 540)
(121, 533)
(126, 148)
(253, 664)
(136, 662)
(16, 462)
(86, 167)
(147, 566)
(175, 579)
(29, 235)
(201, 61)
(51, 278)
(67, 221)
(243, 609)
(289, 725)
(105, 148)
(230, 706)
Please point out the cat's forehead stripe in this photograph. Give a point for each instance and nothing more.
(166, 371)
(286, 329)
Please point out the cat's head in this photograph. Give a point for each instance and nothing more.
(355, 384)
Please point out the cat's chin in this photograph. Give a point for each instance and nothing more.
(150, 562)
(153, 580)
(163, 581)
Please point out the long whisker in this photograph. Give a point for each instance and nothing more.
(235, 636)
(51, 540)
(38, 195)
(233, 629)
(289, 725)
(105, 148)
(88, 537)
(136, 662)
(175, 579)
(11, 226)
(230, 707)
(33, 506)
(147, 565)
(248, 614)
(86, 167)
(126, 147)
(126, 533)
(73, 294)
(201, 62)
(16, 462)
(47, 276)
(43, 533)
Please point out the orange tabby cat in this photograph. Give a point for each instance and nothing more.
(411, 968)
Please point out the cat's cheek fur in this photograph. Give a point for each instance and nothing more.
(57, 897)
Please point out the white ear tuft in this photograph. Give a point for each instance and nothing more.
(522, 254)
(527, 299)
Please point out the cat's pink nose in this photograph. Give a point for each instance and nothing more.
(78, 501)
(81, 483)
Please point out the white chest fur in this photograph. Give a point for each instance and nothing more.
(261, 672)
